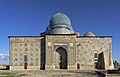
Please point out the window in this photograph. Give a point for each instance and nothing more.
(78, 66)
(25, 61)
(95, 55)
(25, 58)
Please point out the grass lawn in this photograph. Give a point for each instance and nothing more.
(9, 74)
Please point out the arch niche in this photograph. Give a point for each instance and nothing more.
(61, 57)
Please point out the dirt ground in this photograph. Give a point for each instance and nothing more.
(46, 73)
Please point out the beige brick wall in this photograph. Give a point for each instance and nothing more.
(79, 50)
(86, 47)
(20, 46)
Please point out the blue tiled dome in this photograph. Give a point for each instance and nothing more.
(59, 24)
(60, 19)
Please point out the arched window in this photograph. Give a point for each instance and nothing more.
(95, 55)
(25, 61)
(78, 66)
(96, 59)
(25, 58)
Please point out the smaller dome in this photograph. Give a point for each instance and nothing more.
(89, 34)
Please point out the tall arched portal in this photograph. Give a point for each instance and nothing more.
(62, 57)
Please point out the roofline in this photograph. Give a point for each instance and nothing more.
(94, 36)
(67, 35)
(61, 34)
(24, 36)
(80, 36)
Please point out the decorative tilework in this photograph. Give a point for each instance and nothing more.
(36, 59)
(31, 44)
(31, 59)
(25, 45)
(16, 59)
(26, 49)
(37, 54)
(16, 54)
(15, 49)
(31, 54)
(78, 49)
(31, 49)
(21, 64)
(21, 49)
(87, 47)
(21, 44)
(21, 59)
(16, 64)
(20, 54)
(31, 64)
(36, 49)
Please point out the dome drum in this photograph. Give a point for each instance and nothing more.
(60, 26)
(60, 31)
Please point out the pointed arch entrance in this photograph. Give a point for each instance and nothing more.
(61, 57)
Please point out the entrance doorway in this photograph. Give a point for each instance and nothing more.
(62, 57)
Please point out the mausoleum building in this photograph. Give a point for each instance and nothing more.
(60, 47)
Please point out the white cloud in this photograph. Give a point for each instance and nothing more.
(4, 57)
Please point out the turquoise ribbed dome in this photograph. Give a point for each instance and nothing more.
(60, 19)
(59, 24)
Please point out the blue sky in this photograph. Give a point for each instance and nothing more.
(31, 17)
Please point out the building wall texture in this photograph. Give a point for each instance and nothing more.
(42, 51)
(20, 46)
(87, 47)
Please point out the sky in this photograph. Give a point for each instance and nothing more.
(31, 17)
